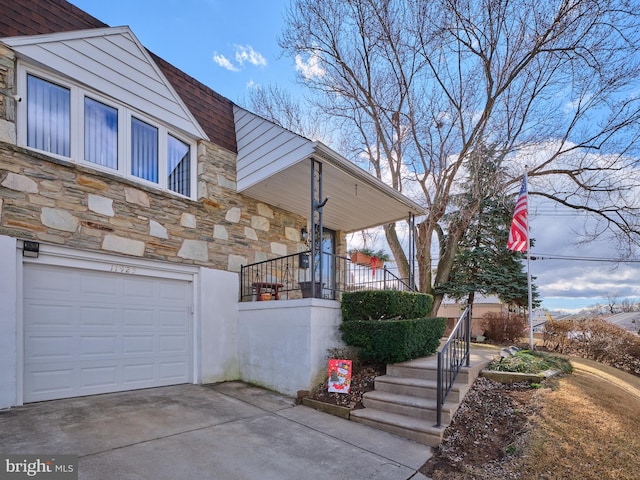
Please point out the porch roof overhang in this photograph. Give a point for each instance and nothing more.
(274, 166)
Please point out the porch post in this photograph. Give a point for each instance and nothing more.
(412, 251)
(317, 203)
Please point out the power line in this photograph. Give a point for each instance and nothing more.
(546, 256)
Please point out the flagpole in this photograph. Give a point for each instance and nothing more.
(530, 303)
(529, 269)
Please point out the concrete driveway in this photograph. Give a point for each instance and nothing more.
(225, 431)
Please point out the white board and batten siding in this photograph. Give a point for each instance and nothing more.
(112, 61)
(94, 331)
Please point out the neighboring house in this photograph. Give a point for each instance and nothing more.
(130, 197)
(452, 310)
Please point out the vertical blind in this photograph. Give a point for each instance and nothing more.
(48, 116)
(100, 134)
(178, 160)
(144, 150)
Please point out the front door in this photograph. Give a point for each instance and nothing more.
(328, 249)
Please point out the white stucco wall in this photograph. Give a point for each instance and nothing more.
(282, 345)
(8, 323)
(218, 325)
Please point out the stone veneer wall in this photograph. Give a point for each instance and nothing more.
(48, 200)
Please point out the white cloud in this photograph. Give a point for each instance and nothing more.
(224, 62)
(246, 54)
(311, 68)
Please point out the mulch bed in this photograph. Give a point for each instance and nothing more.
(362, 381)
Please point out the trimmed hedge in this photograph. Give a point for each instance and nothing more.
(392, 341)
(384, 305)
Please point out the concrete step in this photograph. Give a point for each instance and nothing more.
(414, 369)
(421, 431)
(418, 388)
(409, 406)
(404, 400)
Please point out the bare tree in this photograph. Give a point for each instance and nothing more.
(419, 87)
(277, 106)
(626, 305)
(613, 302)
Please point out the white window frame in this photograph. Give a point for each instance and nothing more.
(77, 95)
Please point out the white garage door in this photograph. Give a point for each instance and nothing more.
(89, 332)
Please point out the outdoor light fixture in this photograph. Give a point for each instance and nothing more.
(304, 233)
(30, 249)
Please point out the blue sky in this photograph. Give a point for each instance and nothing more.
(232, 47)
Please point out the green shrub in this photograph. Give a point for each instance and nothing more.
(385, 305)
(392, 341)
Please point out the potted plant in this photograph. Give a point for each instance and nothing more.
(368, 256)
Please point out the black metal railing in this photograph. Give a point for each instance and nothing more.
(297, 276)
(453, 355)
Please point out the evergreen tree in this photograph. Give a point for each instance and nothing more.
(483, 264)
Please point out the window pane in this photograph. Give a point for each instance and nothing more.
(179, 163)
(144, 150)
(48, 121)
(100, 133)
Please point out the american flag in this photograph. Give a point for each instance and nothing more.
(518, 235)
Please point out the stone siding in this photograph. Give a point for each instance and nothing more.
(7, 90)
(48, 200)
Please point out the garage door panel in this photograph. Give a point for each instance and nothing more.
(173, 318)
(104, 377)
(93, 286)
(46, 348)
(50, 314)
(102, 316)
(103, 332)
(138, 373)
(171, 370)
(173, 343)
(138, 344)
(92, 346)
(139, 317)
(137, 290)
(46, 381)
(179, 293)
(49, 282)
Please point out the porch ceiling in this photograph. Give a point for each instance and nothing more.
(274, 166)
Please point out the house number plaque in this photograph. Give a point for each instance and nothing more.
(118, 268)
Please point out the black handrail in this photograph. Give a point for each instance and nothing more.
(451, 357)
(290, 276)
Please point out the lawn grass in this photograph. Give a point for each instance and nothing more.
(588, 429)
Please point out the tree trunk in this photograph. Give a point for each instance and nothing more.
(398, 253)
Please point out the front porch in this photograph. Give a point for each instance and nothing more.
(310, 275)
(289, 306)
